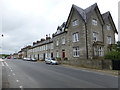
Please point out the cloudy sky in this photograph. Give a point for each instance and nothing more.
(24, 21)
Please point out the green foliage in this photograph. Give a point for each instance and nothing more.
(58, 59)
(113, 55)
(118, 46)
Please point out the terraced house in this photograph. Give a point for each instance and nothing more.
(41, 49)
(87, 34)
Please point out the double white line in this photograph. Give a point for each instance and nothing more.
(4, 63)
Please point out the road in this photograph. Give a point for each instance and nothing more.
(26, 74)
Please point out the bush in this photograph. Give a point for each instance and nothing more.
(58, 59)
(65, 58)
(113, 55)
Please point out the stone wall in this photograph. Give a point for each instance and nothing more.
(96, 64)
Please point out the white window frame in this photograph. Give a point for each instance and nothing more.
(100, 51)
(57, 42)
(76, 51)
(63, 40)
(109, 40)
(57, 54)
(94, 22)
(95, 36)
(75, 22)
(52, 46)
(75, 37)
(108, 27)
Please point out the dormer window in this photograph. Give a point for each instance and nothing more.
(108, 27)
(75, 22)
(94, 22)
(58, 31)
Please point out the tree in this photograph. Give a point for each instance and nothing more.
(114, 54)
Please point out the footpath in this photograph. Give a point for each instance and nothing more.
(112, 72)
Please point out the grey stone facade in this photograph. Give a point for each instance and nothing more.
(89, 28)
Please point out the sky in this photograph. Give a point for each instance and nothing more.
(23, 22)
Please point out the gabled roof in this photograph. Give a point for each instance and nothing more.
(85, 13)
(90, 10)
(106, 16)
(80, 11)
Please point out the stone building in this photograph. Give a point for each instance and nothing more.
(60, 42)
(88, 34)
(41, 49)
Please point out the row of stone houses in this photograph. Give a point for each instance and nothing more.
(87, 34)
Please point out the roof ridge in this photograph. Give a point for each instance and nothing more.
(81, 11)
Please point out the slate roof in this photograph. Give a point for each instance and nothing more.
(105, 16)
(80, 11)
(106, 19)
(89, 10)
(85, 13)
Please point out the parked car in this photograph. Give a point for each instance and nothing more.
(26, 59)
(51, 61)
(33, 59)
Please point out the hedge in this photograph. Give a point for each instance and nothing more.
(113, 55)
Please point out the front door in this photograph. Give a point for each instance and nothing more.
(51, 55)
(63, 53)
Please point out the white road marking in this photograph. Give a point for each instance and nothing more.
(6, 64)
(21, 87)
(2, 64)
(85, 70)
(17, 80)
(13, 73)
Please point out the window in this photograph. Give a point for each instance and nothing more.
(52, 46)
(57, 54)
(95, 36)
(75, 37)
(94, 22)
(76, 52)
(75, 22)
(95, 51)
(100, 51)
(57, 43)
(63, 40)
(108, 27)
(109, 40)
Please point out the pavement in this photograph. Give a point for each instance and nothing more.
(112, 72)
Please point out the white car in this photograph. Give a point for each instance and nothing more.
(33, 59)
(26, 59)
(51, 61)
